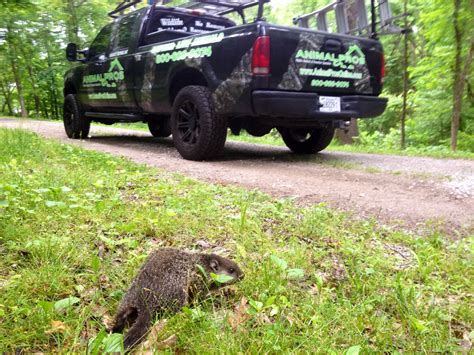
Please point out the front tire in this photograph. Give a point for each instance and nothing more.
(198, 132)
(77, 126)
(307, 141)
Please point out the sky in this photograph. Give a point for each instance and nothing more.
(280, 2)
(277, 3)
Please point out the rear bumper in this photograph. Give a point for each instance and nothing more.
(288, 104)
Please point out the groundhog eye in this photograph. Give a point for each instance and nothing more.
(231, 270)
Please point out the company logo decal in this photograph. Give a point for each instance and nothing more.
(333, 66)
(109, 79)
(354, 56)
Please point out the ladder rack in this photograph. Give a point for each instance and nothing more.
(360, 25)
(219, 7)
(214, 7)
(125, 4)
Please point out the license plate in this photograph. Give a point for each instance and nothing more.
(330, 104)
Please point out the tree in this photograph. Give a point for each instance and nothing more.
(460, 72)
(347, 136)
(34, 50)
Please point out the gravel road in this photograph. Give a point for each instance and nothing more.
(403, 191)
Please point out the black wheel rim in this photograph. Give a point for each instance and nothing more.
(188, 122)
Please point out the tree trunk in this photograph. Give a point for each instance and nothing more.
(53, 89)
(45, 109)
(33, 83)
(460, 74)
(8, 97)
(16, 72)
(405, 78)
(352, 14)
(346, 136)
(19, 88)
(72, 22)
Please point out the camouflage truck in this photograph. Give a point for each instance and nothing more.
(193, 75)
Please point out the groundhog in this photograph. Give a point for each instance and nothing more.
(168, 280)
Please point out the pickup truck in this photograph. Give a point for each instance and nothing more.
(193, 75)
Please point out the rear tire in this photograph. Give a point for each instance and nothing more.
(307, 141)
(198, 132)
(77, 126)
(160, 128)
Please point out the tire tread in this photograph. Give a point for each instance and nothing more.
(80, 124)
(213, 136)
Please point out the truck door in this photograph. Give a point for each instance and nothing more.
(92, 91)
(119, 65)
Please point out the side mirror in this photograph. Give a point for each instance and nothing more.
(71, 52)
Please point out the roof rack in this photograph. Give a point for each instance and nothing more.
(125, 4)
(224, 7)
(214, 7)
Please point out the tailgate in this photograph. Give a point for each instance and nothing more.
(312, 61)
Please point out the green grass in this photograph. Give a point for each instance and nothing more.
(431, 152)
(75, 226)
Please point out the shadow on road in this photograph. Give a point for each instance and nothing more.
(232, 151)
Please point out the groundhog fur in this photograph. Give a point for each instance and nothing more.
(168, 280)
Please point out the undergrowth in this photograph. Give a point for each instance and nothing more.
(76, 225)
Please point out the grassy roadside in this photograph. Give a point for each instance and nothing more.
(430, 152)
(75, 226)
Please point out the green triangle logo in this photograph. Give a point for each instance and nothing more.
(355, 50)
(115, 64)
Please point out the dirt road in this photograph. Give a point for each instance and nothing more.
(407, 191)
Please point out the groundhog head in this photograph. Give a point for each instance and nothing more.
(222, 266)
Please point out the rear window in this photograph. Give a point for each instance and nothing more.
(187, 23)
(162, 24)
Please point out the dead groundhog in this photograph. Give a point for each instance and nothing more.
(168, 280)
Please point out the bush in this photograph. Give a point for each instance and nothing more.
(466, 142)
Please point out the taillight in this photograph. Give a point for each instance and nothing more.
(261, 56)
(382, 68)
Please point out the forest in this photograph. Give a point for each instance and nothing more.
(435, 45)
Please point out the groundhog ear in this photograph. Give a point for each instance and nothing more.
(214, 264)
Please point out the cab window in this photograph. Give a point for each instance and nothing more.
(123, 30)
(101, 43)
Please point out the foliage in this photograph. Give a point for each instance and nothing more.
(38, 31)
(76, 225)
